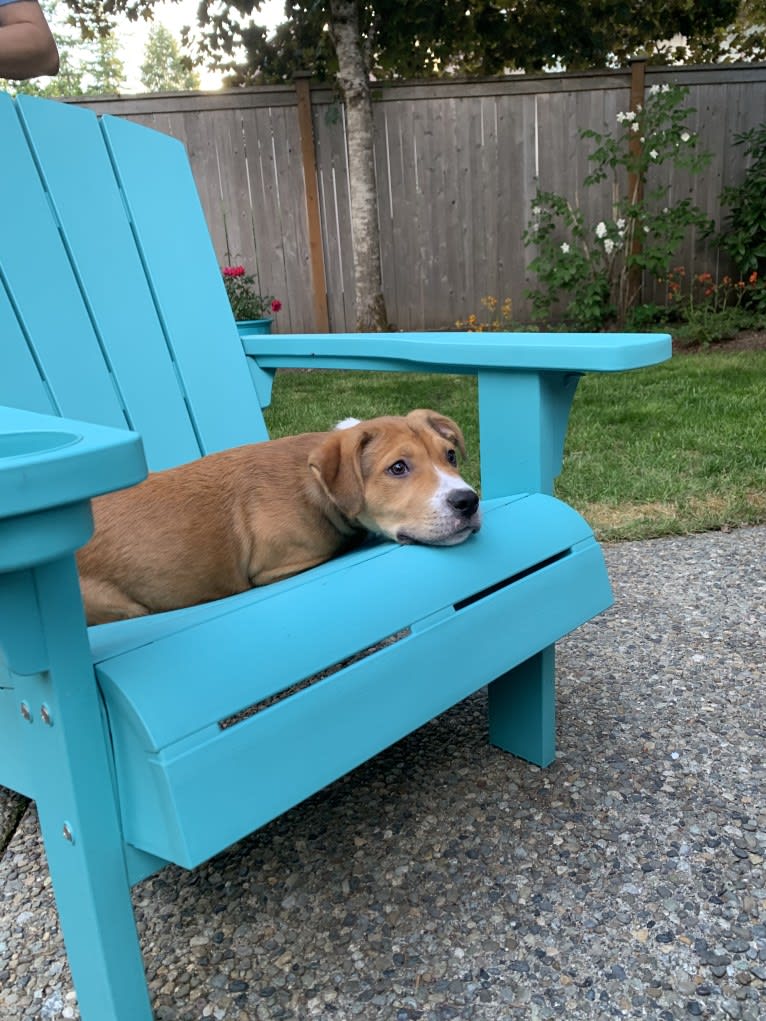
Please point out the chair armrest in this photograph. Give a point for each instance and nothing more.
(459, 352)
(526, 383)
(50, 467)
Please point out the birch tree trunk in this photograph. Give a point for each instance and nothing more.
(365, 232)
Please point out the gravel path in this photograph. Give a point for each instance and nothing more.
(449, 880)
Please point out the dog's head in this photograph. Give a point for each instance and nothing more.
(398, 477)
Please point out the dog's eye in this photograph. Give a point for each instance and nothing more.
(398, 468)
(452, 458)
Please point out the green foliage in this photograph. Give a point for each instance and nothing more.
(744, 233)
(421, 38)
(710, 310)
(103, 70)
(163, 68)
(589, 273)
(246, 303)
(478, 37)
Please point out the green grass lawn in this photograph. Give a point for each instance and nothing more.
(676, 448)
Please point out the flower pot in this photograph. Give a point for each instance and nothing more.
(249, 326)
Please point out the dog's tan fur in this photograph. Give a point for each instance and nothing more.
(254, 514)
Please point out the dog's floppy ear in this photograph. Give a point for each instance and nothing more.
(440, 424)
(337, 465)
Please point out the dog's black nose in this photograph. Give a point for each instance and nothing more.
(464, 501)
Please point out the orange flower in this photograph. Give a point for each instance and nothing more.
(753, 278)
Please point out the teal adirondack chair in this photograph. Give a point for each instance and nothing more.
(119, 349)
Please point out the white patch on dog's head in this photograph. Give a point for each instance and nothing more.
(348, 423)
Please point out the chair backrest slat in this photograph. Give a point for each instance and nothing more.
(172, 234)
(37, 272)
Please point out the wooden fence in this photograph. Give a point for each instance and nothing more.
(458, 163)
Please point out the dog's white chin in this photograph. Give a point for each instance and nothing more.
(450, 539)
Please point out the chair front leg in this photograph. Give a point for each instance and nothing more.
(522, 709)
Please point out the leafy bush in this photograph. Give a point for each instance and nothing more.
(590, 271)
(744, 234)
(705, 310)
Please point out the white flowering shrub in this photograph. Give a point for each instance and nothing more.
(592, 274)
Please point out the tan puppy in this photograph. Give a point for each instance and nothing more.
(255, 514)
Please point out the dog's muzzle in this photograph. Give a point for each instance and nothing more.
(460, 519)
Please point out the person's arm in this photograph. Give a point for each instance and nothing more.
(27, 47)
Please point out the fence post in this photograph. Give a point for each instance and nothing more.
(635, 183)
(316, 248)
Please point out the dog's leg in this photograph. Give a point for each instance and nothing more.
(105, 602)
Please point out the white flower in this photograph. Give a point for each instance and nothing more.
(653, 154)
(646, 230)
(634, 127)
(601, 230)
(536, 210)
(665, 88)
(608, 246)
(621, 225)
(665, 211)
(654, 90)
(565, 248)
(685, 136)
(630, 115)
(621, 117)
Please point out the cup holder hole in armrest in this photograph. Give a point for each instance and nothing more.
(20, 444)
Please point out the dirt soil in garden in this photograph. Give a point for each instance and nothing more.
(748, 340)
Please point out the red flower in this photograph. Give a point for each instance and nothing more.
(276, 305)
(233, 271)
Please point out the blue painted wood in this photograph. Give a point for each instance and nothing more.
(68, 762)
(522, 422)
(522, 709)
(561, 352)
(136, 330)
(21, 383)
(187, 284)
(185, 801)
(46, 461)
(76, 167)
(51, 309)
